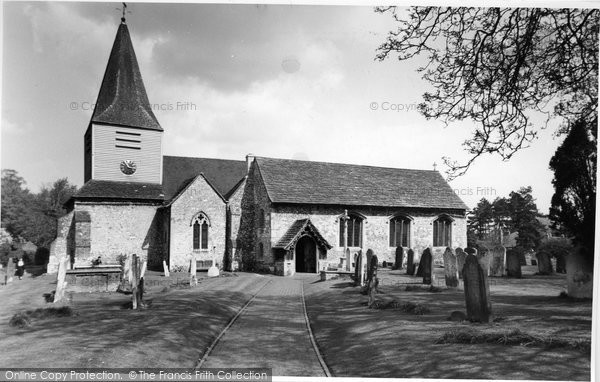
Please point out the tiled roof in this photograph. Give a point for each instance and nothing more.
(122, 99)
(110, 190)
(297, 229)
(222, 174)
(306, 182)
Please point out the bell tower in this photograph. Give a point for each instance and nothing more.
(123, 141)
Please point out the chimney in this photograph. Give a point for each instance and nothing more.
(249, 160)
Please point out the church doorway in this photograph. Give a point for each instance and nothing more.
(306, 255)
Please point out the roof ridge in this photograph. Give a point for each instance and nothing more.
(347, 164)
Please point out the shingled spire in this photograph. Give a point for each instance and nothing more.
(122, 99)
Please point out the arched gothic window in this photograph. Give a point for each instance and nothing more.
(200, 230)
(442, 232)
(400, 232)
(354, 231)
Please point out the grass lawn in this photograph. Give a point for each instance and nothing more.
(361, 342)
(179, 324)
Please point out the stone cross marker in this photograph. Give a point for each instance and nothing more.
(477, 292)
(460, 261)
(399, 258)
(513, 264)
(410, 262)
(61, 284)
(450, 268)
(498, 258)
(425, 265)
(544, 263)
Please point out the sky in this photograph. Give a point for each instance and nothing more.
(283, 81)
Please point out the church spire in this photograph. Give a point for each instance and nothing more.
(122, 99)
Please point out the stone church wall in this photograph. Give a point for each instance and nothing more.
(114, 229)
(199, 197)
(375, 228)
(254, 230)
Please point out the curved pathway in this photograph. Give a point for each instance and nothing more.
(270, 331)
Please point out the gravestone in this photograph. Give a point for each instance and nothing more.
(544, 263)
(410, 262)
(193, 278)
(370, 254)
(213, 271)
(477, 292)
(485, 259)
(348, 259)
(460, 261)
(426, 265)
(362, 261)
(561, 263)
(10, 270)
(450, 268)
(371, 267)
(356, 269)
(61, 284)
(399, 258)
(513, 264)
(498, 261)
(138, 270)
(372, 280)
(165, 268)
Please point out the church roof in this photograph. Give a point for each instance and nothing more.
(222, 174)
(306, 182)
(122, 99)
(112, 190)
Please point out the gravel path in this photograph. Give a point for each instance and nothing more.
(271, 332)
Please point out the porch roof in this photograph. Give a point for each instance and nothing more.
(296, 230)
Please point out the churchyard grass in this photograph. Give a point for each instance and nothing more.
(179, 324)
(533, 333)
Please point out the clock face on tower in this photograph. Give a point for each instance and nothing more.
(128, 167)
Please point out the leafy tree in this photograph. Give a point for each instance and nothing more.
(497, 66)
(16, 203)
(517, 213)
(33, 217)
(480, 219)
(573, 205)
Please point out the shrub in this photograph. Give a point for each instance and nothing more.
(42, 255)
(20, 320)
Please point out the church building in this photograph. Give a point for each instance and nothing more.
(277, 215)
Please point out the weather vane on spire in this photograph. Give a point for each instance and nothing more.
(124, 10)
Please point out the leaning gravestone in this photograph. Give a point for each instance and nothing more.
(410, 262)
(165, 268)
(460, 261)
(399, 258)
(61, 284)
(426, 265)
(513, 264)
(544, 263)
(498, 261)
(450, 268)
(477, 292)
